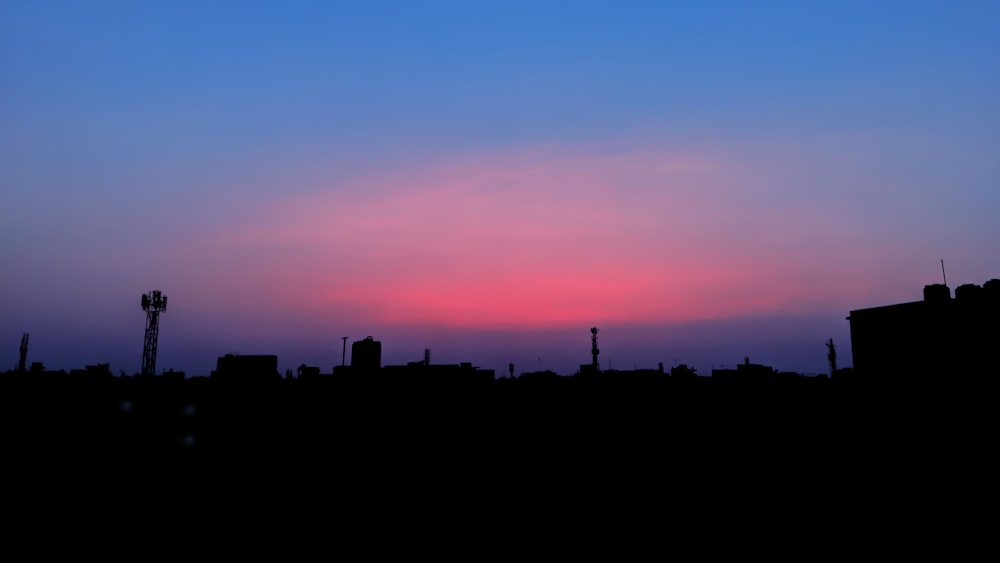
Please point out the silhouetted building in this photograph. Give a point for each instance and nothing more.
(171, 375)
(247, 369)
(938, 336)
(366, 355)
(422, 372)
(539, 376)
(681, 371)
(307, 372)
(94, 371)
(745, 372)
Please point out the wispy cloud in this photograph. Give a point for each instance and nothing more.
(540, 237)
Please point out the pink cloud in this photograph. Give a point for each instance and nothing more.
(541, 238)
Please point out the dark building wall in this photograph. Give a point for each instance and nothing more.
(745, 372)
(903, 339)
(934, 337)
(439, 373)
(247, 368)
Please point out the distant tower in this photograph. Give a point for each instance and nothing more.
(427, 356)
(832, 356)
(24, 353)
(153, 303)
(593, 348)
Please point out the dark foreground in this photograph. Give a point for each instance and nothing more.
(727, 426)
(848, 461)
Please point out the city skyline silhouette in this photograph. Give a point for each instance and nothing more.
(941, 332)
(922, 364)
(563, 367)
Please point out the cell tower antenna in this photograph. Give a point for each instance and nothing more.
(943, 275)
(153, 303)
(593, 348)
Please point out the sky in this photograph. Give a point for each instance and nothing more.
(703, 181)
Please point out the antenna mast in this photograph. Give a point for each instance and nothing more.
(153, 303)
(23, 353)
(832, 357)
(942, 272)
(593, 348)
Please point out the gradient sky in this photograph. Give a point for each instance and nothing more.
(703, 181)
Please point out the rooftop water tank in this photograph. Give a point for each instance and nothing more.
(936, 292)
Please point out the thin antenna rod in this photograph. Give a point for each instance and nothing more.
(942, 272)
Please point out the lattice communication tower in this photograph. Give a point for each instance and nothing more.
(153, 303)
